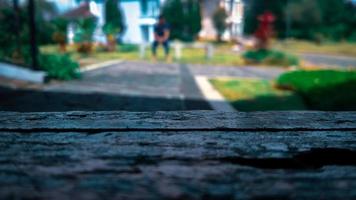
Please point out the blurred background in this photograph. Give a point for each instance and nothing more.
(244, 55)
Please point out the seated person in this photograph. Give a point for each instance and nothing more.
(161, 37)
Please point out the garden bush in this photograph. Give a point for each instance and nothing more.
(329, 90)
(59, 66)
(84, 35)
(271, 57)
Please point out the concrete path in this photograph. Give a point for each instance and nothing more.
(127, 78)
(213, 96)
(130, 86)
(233, 71)
(330, 60)
(203, 73)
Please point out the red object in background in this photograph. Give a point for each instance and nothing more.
(265, 28)
(267, 17)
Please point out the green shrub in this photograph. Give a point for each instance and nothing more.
(84, 34)
(59, 66)
(126, 48)
(86, 29)
(60, 30)
(323, 89)
(271, 57)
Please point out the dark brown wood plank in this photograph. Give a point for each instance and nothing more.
(195, 120)
(177, 165)
(178, 155)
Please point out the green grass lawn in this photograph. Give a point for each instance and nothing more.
(327, 90)
(96, 56)
(257, 95)
(331, 48)
(323, 89)
(222, 56)
(282, 55)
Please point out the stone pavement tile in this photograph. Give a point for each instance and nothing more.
(132, 78)
(130, 86)
(245, 71)
(330, 60)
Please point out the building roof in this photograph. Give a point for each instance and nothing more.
(83, 11)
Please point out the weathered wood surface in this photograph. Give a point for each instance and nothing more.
(177, 155)
(202, 120)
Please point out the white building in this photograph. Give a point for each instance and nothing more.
(141, 15)
(235, 10)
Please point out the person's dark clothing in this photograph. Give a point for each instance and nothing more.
(159, 30)
(165, 45)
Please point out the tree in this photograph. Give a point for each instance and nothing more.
(338, 19)
(309, 19)
(60, 33)
(45, 12)
(113, 22)
(173, 13)
(12, 34)
(184, 17)
(84, 35)
(306, 18)
(194, 16)
(219, 20)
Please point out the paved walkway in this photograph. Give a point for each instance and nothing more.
(142, 86)
(128, 78)
(247, 71)
(330, 60)
(130, 86)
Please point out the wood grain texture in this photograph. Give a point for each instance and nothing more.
(193, 120)
(178, 155)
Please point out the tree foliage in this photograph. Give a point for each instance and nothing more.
(14, 28)
(219, 19)
(194, 16)
(84, 35)
(86, 29)
(13, 35)
(113, 18)
(309, 19)
(184, 17)
(46, 11)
